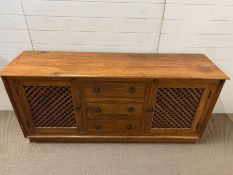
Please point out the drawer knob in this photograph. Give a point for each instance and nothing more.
(97, 89)
(129, 126)
(131, 109)
(132, 90)
(98, 110)
(98, 126)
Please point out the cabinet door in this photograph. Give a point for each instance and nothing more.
(51, 106)
(176, 106)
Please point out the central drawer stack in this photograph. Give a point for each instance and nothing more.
(114, 107)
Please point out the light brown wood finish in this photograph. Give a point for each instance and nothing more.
(114, 126)
(113, 65)
(49, 104)
(114, 108)
(111, 97)
(179, 104)
(114, 89)
(12, 93)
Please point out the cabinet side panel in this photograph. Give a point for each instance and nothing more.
(209, 107)
(14, 99)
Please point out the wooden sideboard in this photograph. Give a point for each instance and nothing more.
(112, 97)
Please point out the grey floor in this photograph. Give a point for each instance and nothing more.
(213, 154)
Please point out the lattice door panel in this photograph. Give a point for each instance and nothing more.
(51, 106)
(176, 107)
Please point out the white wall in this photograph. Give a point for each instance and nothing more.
(196, 26)
(120, 26)
(14, 38)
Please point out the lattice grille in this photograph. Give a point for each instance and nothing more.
(176, 107)
(51, 106)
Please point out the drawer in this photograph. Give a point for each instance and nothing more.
(114, 108)
(114, 89)
(120, 126)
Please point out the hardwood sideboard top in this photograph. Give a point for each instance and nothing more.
(113, 65)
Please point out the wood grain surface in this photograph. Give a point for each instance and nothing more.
(149, 97)
(113, 65)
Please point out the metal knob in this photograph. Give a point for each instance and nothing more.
(98, 126)
(132, 90)
(97, 89)
(131, 109)
(129, 126)
(98, 109)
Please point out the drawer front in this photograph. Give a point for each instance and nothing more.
(118, 109)
(114, 89)
(115, 126)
